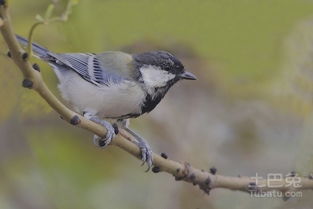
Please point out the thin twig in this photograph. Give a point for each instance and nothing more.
(49, 19)
(30, 37)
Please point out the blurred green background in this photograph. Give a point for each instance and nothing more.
(250, 111)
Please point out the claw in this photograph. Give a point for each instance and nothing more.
(146, 152)
(102, 141)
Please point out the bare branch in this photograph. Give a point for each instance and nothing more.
(181, 171)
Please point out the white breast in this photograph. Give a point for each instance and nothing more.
(107, 101)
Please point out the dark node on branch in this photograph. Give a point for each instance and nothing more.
(9, 54)
(116, 131)
(205, 186)
(213, 170)
(252, 187)
(75, 120)
(36, 67)
(101, 143)
(164, 155)
(2, 2)
(206, 190)
(24, 56)
(178, 178)
(207, 181)
(27, 83)
(285, 198)
(192, 177)
(310, 176)
(252, 184)
(292, 174)
(156, 169)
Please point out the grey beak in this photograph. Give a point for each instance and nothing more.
(188, 76)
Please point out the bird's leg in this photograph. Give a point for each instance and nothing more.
(97, 140)
(146, 152)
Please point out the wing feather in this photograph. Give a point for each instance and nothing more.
(89, 67)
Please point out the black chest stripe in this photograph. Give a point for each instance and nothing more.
(150, 103)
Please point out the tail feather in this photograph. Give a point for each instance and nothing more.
(40, 51)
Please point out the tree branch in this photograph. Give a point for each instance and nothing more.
(181, 171)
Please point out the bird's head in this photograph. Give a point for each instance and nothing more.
(160, 69)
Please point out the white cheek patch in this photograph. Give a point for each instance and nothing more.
(155, 77)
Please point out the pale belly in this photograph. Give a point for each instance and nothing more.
(111, 101)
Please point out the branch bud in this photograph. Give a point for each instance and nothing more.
(213, 170)
(36, 67)
(75, 120)
(164, 155)
(27, 83)
(156, 169)
(24, 56)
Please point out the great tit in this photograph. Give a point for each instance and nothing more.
(114, 85)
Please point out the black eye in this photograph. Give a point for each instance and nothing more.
(178, 66)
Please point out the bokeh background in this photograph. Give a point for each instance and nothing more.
(249, 112)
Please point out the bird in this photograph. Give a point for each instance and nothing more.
(114, 86)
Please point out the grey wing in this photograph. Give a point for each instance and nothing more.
(88, 66)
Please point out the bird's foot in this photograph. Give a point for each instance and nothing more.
(145, 150)
(102, 141)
